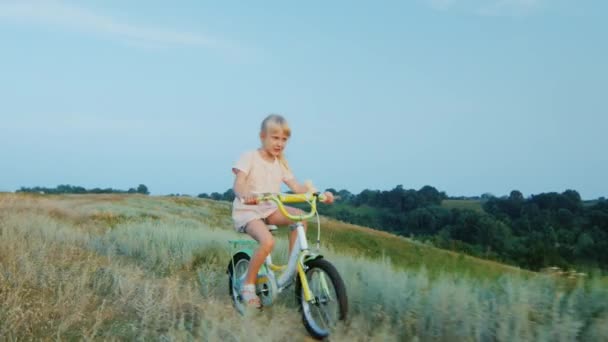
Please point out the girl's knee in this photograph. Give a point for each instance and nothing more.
(267, 244)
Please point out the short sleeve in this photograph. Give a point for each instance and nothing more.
(244, 162)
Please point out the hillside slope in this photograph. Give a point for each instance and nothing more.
(136, 267)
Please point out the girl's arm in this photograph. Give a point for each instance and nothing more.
(240, 187)
(298, 188)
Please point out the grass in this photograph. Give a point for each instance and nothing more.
(120, 267)
(407, 254)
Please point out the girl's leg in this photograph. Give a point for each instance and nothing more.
(277, 218)
(258, 230)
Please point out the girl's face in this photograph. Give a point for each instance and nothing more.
(274, 141)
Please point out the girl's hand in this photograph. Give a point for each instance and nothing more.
(249, 199)
(329, 197)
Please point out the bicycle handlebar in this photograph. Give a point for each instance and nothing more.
(281, 199)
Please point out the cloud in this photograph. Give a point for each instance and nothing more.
(488, 7)
(59, 14)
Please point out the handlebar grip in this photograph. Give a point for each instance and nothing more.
(258, 199)
(321, 197)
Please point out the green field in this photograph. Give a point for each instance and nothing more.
(130, 267)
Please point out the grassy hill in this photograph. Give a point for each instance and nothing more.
(135, 267)
(405, 253)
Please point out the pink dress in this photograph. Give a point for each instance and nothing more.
(262, 177)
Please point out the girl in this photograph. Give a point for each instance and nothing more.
(262, 171)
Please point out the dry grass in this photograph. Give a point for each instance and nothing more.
(143, 268)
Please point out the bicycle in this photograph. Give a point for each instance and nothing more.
(319, 289)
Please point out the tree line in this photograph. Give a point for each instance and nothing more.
(71, 189)
(547, 229)
(227, 195)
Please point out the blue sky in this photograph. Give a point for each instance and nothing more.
(469, 96)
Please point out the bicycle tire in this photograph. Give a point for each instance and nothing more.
(237, 261)
(341, 299)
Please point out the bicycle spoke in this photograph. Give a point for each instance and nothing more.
(323, 297)
(323, 317)
(324, 314)
(325, 287)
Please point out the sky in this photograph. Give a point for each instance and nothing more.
(468, 96)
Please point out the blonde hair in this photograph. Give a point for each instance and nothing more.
(275, 122)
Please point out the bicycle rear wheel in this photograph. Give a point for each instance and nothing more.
(330, 302)
(237, 268)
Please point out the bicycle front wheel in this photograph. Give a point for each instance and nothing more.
(329, 304)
